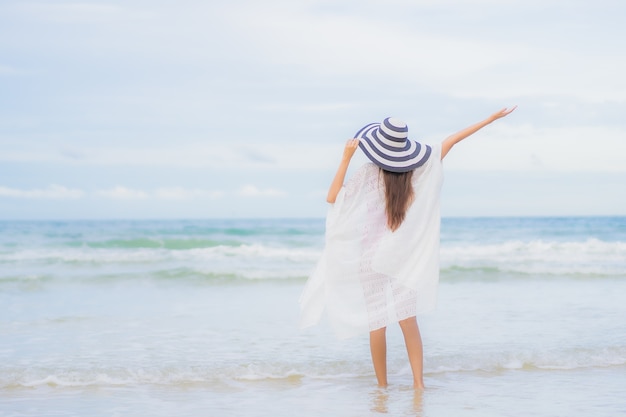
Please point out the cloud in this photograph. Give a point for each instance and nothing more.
(53, 192)
(58, 192)
(252, 191)
(123, 193)
(256, 156)
(162, 193)
(179, 193)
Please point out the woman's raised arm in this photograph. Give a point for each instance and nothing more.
(340, 176)
(455, 138)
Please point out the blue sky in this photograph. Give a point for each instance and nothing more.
(193, 109)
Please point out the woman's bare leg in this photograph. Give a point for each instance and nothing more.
(378, 348)
(413, 342)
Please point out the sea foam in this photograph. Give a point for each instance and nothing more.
(487, 361)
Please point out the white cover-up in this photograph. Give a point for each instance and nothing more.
(369, 276)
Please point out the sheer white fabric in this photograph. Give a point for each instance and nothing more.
(369, 276)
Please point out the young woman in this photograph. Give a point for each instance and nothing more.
(381, 257)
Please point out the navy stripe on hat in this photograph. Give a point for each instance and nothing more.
(403, 157)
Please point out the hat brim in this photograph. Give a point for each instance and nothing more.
(393, 158)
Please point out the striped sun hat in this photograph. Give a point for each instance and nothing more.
(387, 145)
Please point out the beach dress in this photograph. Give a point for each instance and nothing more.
(367, 275)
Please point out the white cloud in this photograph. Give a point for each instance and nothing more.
(52, 192)
(252, 191)
(122, 193)
(161, 193)
(119, 192)
(58, 192)
(179, 193)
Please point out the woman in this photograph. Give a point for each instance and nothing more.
(381, 258)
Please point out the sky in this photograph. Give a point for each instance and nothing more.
(241, 108)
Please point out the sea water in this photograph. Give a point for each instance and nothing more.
(200, 318)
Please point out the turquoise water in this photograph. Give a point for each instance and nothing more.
(200, 318)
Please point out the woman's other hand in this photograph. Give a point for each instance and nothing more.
(351, 147)
(337, 183)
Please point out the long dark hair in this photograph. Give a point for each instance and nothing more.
(398, 196)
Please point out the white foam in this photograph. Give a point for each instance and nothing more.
(591, 257)
(254, 251)
(550, 359)
(144, 255)
(484, 361)
(260, 261)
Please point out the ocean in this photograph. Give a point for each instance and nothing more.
(200, 318)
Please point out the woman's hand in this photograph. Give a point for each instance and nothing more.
(335, 186)
(351, 147)
(455, 138)
(500, 114)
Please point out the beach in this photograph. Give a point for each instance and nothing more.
(200, 317)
